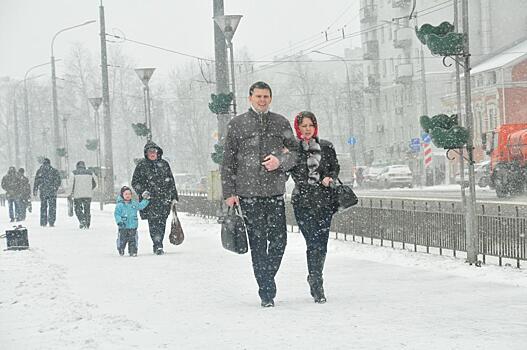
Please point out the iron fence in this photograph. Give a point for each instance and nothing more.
(412, 224)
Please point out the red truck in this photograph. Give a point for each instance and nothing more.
(507, 147)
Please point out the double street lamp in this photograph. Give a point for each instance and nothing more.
(145, 74)
(56, 128)
(350, 102)
(228, 25)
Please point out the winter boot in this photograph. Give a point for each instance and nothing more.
(267, 303)
(316, 288)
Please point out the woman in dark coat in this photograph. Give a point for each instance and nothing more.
(314, 201)
(153, 174)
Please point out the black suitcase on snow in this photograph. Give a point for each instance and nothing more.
(17, 238)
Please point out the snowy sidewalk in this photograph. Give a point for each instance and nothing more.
(72, 291)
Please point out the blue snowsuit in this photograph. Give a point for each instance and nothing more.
(126, 218)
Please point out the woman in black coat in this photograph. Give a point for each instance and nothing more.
(153, 174)
(314, 201)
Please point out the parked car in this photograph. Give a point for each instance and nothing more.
(370, 177)
(457, 177)
(396, 176)
(482, 171)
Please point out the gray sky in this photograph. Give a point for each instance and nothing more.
(27, 27)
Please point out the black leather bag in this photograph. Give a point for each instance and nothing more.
(345, 196)
(234, 231)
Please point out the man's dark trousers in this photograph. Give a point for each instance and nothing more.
(48, 210)
(11, 204)
(265, 218)
(82, 210)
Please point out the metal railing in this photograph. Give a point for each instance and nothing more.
(502, 229)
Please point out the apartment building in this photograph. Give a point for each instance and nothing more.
(402, 80)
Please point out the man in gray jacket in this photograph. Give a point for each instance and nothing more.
(82, 193)
(259, 148)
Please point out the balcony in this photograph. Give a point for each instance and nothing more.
(368, 13)
(400, 3)
(371, 50)
(374, 84)
(404, 73)
(403, 38)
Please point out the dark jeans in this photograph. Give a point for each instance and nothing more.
(127, 235)
(314, 225)
(157, 227)
(20, 209)
(48, 210)
(82, 210)
(11, 204)
(265, 219)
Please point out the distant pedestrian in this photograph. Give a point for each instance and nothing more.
(47, 182)
(153, 174)
(82, 193)
(253, 176)
(126, 218)
(10, 186)
(23, 195)
(314, 201)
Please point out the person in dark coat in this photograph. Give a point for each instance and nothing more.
(82, 193)
(10, 186)
(153, 174)
(259, 149)
(47, 182)
(23, 196)
(314, 200)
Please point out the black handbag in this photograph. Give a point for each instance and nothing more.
(345, 196)
(234, 231)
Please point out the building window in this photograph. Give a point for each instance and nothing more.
(491, 78)
(382, 34)
(384, 68)
(390, 36)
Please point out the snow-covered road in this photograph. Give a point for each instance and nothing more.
(72, 291)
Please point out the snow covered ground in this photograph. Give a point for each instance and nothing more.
(72, 291)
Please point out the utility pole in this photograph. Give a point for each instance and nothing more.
(222, 71)
(471, 220)
(424, 110)
(458, 97)
(108, 153)
(17, 135)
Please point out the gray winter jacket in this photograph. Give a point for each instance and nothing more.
(83, 183)
(250, 138)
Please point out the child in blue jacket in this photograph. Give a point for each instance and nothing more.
(126, 218)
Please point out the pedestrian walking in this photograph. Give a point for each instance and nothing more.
(82, 193)
(23, 195)
(256, 159)
(153, 174)
(126, 218)
(314, 200)
(10, 186)
(47, 182)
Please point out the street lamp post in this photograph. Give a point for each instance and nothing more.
(350, 100)
(56, 129)
(66, 148)
(95, 103)
(145, 74)
(29, 148)
(228, 25)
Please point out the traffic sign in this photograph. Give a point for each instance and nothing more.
(426, 137)
(415, 144)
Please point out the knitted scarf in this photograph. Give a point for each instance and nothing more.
(313, 159)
